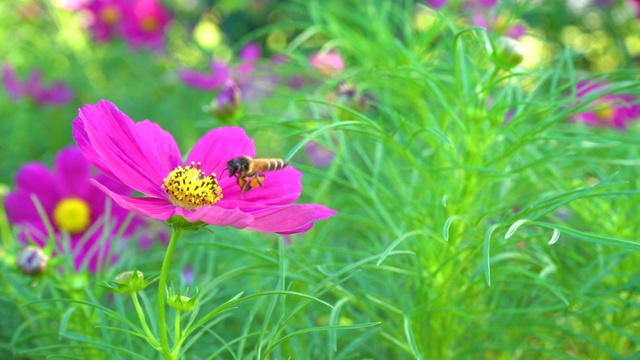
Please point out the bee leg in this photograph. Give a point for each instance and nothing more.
(246, 185)
(259, 179)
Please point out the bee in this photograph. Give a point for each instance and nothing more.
(248, 170)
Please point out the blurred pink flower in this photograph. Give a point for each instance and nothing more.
(70, 4)
(146, 158)
(72, 206)
(105, 17)
(609, 110)
(145, 24)
(498, 24)
(330, 63)
(33, 88)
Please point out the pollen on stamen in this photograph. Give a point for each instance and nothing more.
(190, 188)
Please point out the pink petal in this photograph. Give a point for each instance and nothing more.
(218, 216)
(290, 219)
(72, 172)
(218, 146)
(278, 188)
(33, 233)
(161, 143)
(22, 211)
(37, 179)
(111, 141)
(160, 209)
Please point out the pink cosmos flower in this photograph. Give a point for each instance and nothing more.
(612, 110)
(105, 17)
(72, 206)
(145, 24)
(146, 158)
(330, 63)
(55, 94)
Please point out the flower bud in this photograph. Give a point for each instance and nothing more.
(227, 103)
(32, 260)
(129, 282)
(507, 52)
(181, 302)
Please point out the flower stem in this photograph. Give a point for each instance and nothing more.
(176, 328)
(162, 286)
(143, 321)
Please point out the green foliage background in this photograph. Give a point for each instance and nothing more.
(429, 256)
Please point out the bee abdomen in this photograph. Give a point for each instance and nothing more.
(274, 164)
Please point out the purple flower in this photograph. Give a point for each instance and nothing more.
(612, 110)
(145, 24)
(221, 73)
(254, 80)
(227, 103)
(436, 4)
(146, 158)
(318, 154)
(72, 206)
(33, 88)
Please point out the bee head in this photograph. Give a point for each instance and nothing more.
(236, 165)
(232, 167)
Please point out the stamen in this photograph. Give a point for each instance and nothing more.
(190, 188)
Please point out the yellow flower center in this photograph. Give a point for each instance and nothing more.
(149, 24)
(72, 215)
(110, 14)
(605, 111)
(190, 188)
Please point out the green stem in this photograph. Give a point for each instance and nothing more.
(162, 286)
(143, 321)
(176, 327)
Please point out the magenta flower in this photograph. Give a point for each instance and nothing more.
(105, 17)
(612, 110)
(72, 206)
(146, 158)
(329, 63)
(33, 88)
(145, 24)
